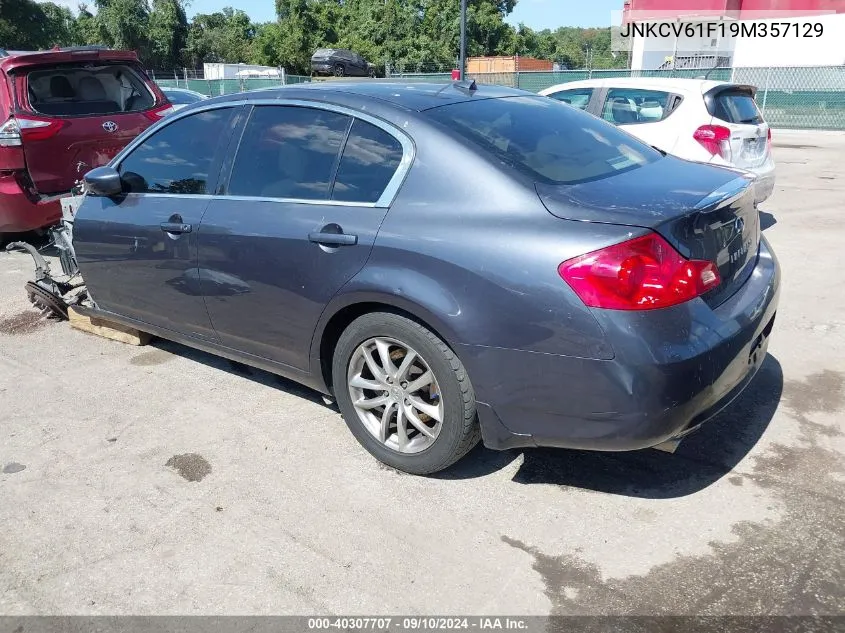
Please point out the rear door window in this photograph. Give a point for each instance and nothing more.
(288, 152)
(179, 158)
(737, 107)
(85, 90)
(545, 140)
(370, 159)
(577, 97)
(625, 106)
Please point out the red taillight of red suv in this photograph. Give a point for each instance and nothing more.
(644, 273)
(156, 114)
(715, 139)
(28, 128)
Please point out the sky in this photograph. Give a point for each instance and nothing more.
(536, 14)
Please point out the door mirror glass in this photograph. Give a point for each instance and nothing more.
(103, 181)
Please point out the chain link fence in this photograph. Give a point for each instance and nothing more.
(811, 97)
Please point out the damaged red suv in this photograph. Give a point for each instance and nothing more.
(62, 113)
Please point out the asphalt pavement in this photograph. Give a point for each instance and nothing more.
(162, 480)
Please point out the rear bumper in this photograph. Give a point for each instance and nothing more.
(764, 184)
(684, 366)
(19, 212)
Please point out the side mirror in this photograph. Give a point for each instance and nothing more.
(103, 181)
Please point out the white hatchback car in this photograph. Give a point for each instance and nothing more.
(706, 121)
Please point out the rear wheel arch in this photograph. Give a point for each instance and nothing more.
(327, 336)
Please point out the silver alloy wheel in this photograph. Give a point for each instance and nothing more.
(395, 394)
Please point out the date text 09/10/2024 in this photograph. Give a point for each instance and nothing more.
(419, 623)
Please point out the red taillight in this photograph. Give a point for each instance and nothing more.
(38, 128)
(769, 140)
(156, 114)
(641, 274)
(715, 139)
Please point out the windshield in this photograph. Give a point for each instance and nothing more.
(544, 139)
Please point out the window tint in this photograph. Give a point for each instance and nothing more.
(288, 152)
(737, 107)
(178, 158)
(577, 98)
(370, 159)
(544, 139)
(625, 106)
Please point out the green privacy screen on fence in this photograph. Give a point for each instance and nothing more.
(807, 97)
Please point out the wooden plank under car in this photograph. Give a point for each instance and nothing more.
(107, 329)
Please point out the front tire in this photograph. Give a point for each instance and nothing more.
(404, 394)
(339, 70)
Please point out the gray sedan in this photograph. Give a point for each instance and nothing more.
(449, 262)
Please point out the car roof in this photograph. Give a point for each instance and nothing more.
(675, 84)
(410, 96)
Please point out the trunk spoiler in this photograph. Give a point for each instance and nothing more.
(72, 54)
(726, 194)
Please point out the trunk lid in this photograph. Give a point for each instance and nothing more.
(705, 212)
(90, 108)
(734, 107)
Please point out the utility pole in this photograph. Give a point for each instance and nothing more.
(463, 37)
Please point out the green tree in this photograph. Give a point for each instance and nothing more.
(28, 25)
(168, 34)
(124, 24)
(223, 36)
(86, 28)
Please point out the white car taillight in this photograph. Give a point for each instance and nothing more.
(10, 133)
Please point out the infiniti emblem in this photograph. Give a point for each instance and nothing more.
(739, 225)
(109, 126)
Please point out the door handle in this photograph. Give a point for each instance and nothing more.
(176, 227)
(333, 239)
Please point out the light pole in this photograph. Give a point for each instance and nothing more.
(463, 37)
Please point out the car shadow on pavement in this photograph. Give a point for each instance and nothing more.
(767, 220)
(233, 367)
(701, 459)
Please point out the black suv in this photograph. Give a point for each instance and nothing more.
(340, 63)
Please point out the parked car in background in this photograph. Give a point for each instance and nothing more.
(707, 121)
(567, 286)
(180, 97)
(340, 62)
(63, 112)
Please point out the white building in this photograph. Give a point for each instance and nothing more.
(734, 37)
(240, 71)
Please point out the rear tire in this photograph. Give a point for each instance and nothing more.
(449, 394)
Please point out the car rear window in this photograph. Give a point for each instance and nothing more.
(737, 107)
(79, 90)
(546, 140)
